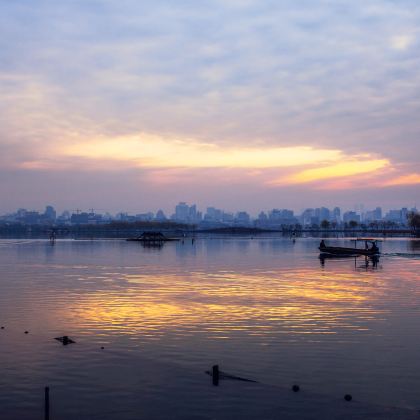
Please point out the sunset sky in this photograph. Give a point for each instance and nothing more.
(135, 105)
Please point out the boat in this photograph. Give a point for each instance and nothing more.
(343, 251)
(152, 238)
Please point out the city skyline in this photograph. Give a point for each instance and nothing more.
(236, 103)
(189, 213)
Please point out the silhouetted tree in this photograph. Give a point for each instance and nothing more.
(353, 224)
(414, 220)
(325, 224)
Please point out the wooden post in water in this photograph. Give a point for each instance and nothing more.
(47, 403)
(216, 375)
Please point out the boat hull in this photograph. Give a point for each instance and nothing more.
(149, 241)
(336, 250)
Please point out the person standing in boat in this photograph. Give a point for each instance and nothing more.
(322, 244)
(374, 247)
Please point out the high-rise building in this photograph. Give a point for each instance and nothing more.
(182, 212)
(336, 214)
(351, 216)
(242, 218)
(213, 214)
(307, 216)
(50, 213)
(262, 217)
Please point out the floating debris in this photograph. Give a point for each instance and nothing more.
(2, 328)
(296, 388)
(102, 347)
(26, 332)
(65, 339)
(348, 397)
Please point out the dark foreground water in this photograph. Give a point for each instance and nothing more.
(262, 308)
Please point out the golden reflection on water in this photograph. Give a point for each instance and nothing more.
(302, 300)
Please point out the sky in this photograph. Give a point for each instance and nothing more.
(135, 105)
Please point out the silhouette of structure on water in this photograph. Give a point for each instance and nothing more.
(65, 339)
(152, 238)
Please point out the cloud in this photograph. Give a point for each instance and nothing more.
(153, 151)
(238, 84)
(401, 42)
(346, 168)
(408, 179)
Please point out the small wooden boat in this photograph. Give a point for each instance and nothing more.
(342, 251)
(152, 238)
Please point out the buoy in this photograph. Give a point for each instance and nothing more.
(296, 388)
(348, 397)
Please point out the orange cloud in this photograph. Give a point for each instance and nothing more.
(160, 152)
(409, 179)
(346, 168)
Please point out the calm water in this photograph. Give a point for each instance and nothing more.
(262, 308)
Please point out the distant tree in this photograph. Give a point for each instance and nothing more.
(325, 224)
(353, 224)
(414, 220)
(389, 224)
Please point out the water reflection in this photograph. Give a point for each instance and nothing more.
(360, 262)
(415, 245)
(225, 302)
(265, 303)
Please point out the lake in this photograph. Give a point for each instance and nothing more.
(148, 322)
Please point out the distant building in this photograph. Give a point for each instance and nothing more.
(186, 214)
(213, 215)
(397, 216)
(262, 218)
(373, 215)
(242, 218)
(306, 217)
(160, 216)
(322, 213)
(145, 217)
(50, 213)
(79, 218)
(336, 215)
(182, 212)
(351, 216)
(64, 218)
(228, 218)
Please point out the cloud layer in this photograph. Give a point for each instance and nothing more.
(275, 94)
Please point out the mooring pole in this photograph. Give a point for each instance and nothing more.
(47, 403)
(216, 375)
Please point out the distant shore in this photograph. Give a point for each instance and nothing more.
(129, 230)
